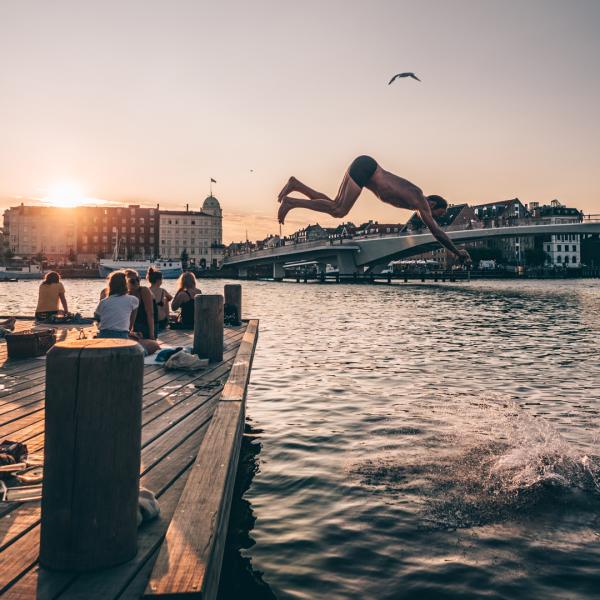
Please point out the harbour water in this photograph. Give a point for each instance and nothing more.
(417, 441)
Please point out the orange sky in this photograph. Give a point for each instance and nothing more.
(144, 101)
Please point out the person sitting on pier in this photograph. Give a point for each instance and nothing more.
(116, 313)
(51, 293)
(389, 188)
(146, 314)
(184, 300)
(161, 297)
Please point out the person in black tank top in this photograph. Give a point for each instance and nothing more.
(146, 312)
(184, 300)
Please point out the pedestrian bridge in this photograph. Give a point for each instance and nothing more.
(352, 255)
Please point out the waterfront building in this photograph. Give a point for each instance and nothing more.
(562, 250)
(40, 230)
(376, 228)
(100, 229)
(240, 248)
(506, 213)
(197, 234)
(310, 234)
(456, 218)
(342, 231)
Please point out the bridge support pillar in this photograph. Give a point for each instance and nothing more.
(243, 272)
(278, 272)
(346, 264)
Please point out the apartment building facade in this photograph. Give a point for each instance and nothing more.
(33, 230)
(197, 233)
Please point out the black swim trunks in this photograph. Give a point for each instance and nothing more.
(362, 169)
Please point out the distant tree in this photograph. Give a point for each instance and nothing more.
(185, 257)
(8, 254)
(129, 253)
(536, 257)
(39, 257)
(99, 255)
(72, 255)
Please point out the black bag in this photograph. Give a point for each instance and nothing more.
(230, 315)
(30, 343)
(12, 452)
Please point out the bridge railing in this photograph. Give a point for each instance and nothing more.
(326, 242)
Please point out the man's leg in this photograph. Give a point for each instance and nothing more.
(295, 185)
(339, 207)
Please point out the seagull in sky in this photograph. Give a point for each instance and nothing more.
(403, 75)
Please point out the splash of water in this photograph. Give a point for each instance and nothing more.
(492, 460)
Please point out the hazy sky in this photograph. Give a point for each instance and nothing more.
(144, 101)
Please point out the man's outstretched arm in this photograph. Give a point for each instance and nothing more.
(440, 235)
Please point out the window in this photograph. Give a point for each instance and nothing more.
(559, 258)
(559, 248)
(573, 259)
(574, 248)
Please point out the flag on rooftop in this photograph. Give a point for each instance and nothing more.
(213, 180)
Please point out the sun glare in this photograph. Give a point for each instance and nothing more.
(64, 195)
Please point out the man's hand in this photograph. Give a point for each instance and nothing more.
(464, 257)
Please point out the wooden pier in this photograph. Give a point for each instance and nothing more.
(192, 426)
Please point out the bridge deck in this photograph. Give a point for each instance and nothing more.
(176, 415)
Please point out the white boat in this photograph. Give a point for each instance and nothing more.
(170, 269)
(27, 272)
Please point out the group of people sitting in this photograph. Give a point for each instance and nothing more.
(128, 310)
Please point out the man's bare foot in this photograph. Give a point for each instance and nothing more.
(289, 187)
(283, 209)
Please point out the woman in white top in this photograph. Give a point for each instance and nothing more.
(117, 310)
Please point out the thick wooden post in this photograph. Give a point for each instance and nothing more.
(208, 326)
(233, 295)
(91, 454)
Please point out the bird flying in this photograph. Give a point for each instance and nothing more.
(403, 75)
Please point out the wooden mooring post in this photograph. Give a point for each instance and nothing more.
(208, 326)
(233, 295)
(92, 454)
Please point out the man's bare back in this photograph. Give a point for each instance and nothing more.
(389, 188)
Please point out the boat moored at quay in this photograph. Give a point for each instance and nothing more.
(170, 269)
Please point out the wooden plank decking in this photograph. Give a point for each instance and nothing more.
(176, 416)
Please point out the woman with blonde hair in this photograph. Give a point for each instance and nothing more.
(184, 300)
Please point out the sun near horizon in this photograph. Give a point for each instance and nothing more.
(65, 194)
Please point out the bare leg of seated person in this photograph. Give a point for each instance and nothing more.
(150, 346)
